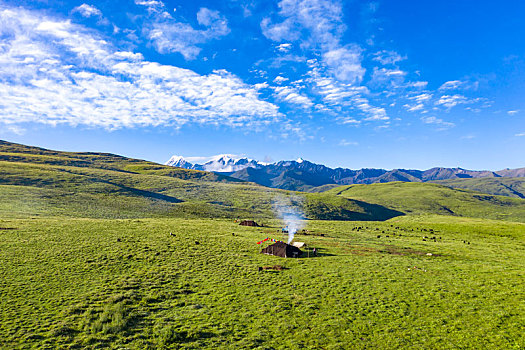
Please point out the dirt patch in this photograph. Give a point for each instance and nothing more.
(387, 249)
(309, 233)
(360, 250)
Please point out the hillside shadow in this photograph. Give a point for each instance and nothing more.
(345, 210)
(128, 189)
(376, 212)
(148, 194)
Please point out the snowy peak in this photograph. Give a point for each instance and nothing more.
(228, 163)
(180, 162)
(222, 163)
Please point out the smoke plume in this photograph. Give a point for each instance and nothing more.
(289, 210)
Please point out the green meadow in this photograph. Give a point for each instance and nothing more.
(195, 283)
(100, 251)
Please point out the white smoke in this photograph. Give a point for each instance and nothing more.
(289, 210)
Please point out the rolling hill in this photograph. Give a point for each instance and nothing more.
(426, 198)
(510, 187)
(40, 182)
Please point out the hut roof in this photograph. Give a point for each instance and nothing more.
(283, 250)
(249, 223)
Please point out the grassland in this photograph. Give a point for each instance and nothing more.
(413, 198)
(102, 251)
(130, 284)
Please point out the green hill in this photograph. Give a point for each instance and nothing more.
(426, 198)
(36, 181)
(501, 186)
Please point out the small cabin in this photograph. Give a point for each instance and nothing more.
(283, 250)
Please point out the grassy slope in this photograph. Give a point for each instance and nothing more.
(34, 181)
(425, 198)
(91, 283)
(18, 153)
(511, 187)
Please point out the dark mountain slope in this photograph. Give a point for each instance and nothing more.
(306, 176)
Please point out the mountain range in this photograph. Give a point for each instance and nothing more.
(41, 182)
(302, 175)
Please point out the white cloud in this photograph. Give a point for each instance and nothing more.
(55, 72)
(420, 101)
(380, 127)
(513, 112)
(345, 63)
(450, 101)
(459, 84)
(169, 35)
(280, 31)
(292, 95)
(12, 129)
(374, 113)
(86, 10)
(386, 57)
(421, 97)
(280, 79)
(261, 86)
(318, 25)
(520, 134)
(351, 121)
(153, 6)
(213, 20)
(286, 47)
(385, 76)
(414, 108)
(443, 125)
(322, 19)
(150, 3)
(345, 143)
(338, 95)
(417, 84)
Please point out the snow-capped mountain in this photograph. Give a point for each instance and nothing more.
(180, 162)
(303, 175)
(222, 163)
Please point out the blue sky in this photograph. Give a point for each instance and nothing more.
(388, 84)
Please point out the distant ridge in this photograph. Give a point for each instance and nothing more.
(302, 175)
